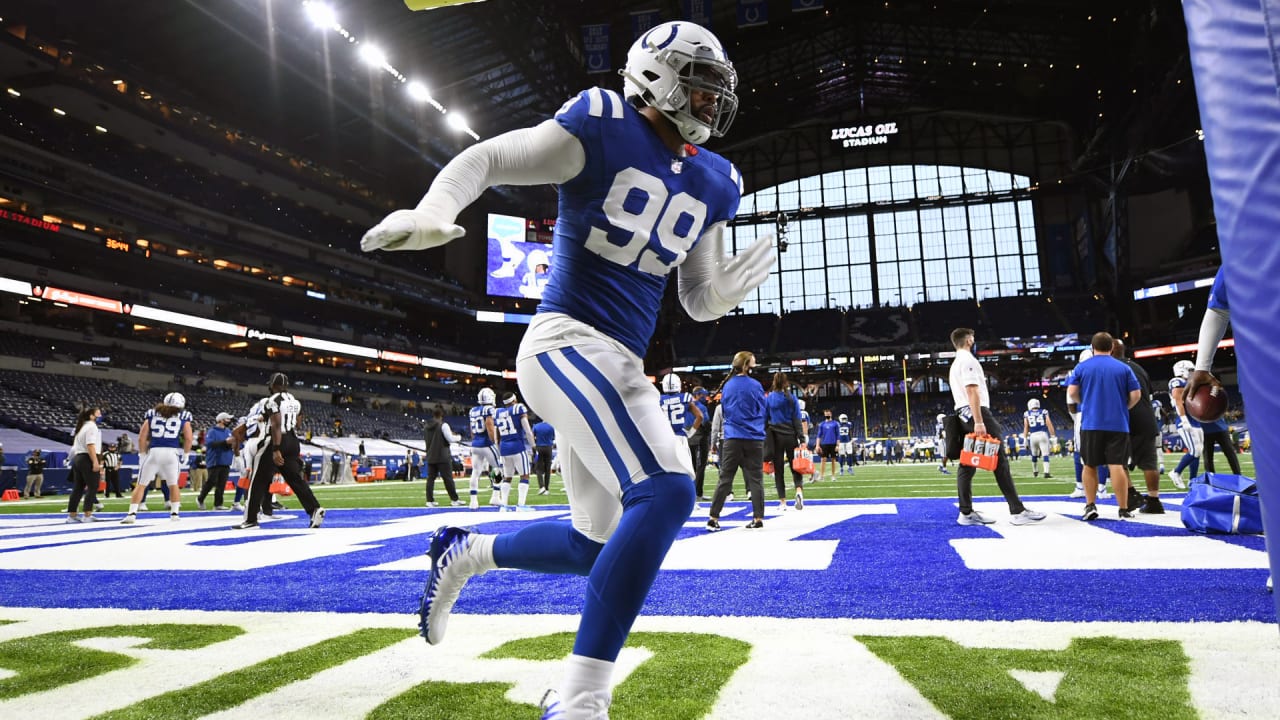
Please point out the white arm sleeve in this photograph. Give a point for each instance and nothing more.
(448, 433)
(546, 153)
(1212, 329)
(696, 293)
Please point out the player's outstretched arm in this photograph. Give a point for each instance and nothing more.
(538, 155)
(712, 284)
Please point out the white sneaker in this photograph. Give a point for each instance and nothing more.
(237, 507)
(475, 504)
(782, 505)
(1026, 517)
(974, 518)
(457, 503)
(1178, 482)
(1103, 494)
(173, 517)
(129, 519)
(799, 501)
(1077, 493)
(431, 503)
(317, 517)
(591, 705)
(142, 507)
(730, 498)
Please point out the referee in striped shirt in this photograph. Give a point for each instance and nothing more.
(281, 411)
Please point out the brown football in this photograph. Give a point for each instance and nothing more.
(1209, 403)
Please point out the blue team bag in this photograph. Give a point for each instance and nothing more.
(1222, 505)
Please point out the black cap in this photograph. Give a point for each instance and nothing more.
(278, 380)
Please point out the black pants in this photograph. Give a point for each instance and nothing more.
(84, 482)
(260, 485)
(217, 481)
(542, 465)
(1004, 478)
(1223, 439)
(784, 451)
(443, 470)
(113, 481)
(748, 455)
(699, 450)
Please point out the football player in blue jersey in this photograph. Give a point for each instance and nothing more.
(1188, 427)
(164, 442)
(515, 438)
(680, 408)
(484, 444)
(638, 198)
(1038, 434)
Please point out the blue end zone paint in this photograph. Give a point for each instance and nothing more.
(886, 566)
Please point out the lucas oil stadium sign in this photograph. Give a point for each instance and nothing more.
(863, 135)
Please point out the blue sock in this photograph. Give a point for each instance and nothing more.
(552, 546)
(1079, 471)
(653, 512)
(1188, 460)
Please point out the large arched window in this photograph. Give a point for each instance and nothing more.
(895, 235)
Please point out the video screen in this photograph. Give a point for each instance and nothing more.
(516, 267)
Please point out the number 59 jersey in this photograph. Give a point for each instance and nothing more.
(167, 431)
(629, 217)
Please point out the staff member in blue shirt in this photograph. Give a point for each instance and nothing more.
(219, 451)
(1105, 389)
(742, 402)
(544, 441)
(785, 432)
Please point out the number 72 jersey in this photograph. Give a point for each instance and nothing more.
(630, 216)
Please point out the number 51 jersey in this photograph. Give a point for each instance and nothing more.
(629, 217)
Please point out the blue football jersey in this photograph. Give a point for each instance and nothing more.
(479, 435)
(939, 429)
(167, 431)
(1218, 293)
(1037, 420)
(846, 432)
(511, 439)
(629, 217)
(675, 407)
(1181, 383)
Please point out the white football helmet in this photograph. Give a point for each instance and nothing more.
(176, 400)
(801, 405)
(843, 418)
(1085, 354)
(672, 60)
(536, 258)
(671, 383)
(486, 396)
(509, 399)
(1183, 369)
(942, 416)
(1033, 404)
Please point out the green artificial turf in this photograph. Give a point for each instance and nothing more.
(876, 480)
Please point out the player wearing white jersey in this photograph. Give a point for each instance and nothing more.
(940, 442)
(281, 453)
(1188, 427)
(164, 441)
(638, 198)
(1038, 434)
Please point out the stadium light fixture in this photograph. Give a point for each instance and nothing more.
(59, 111)
(321, 14)
(417, 91)
(13, 92)
(372, 55)
(456, 121)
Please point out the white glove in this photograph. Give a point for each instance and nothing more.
(182, 458)
(735, 277)
(410, 230)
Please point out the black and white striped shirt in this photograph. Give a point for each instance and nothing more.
(288, 407)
